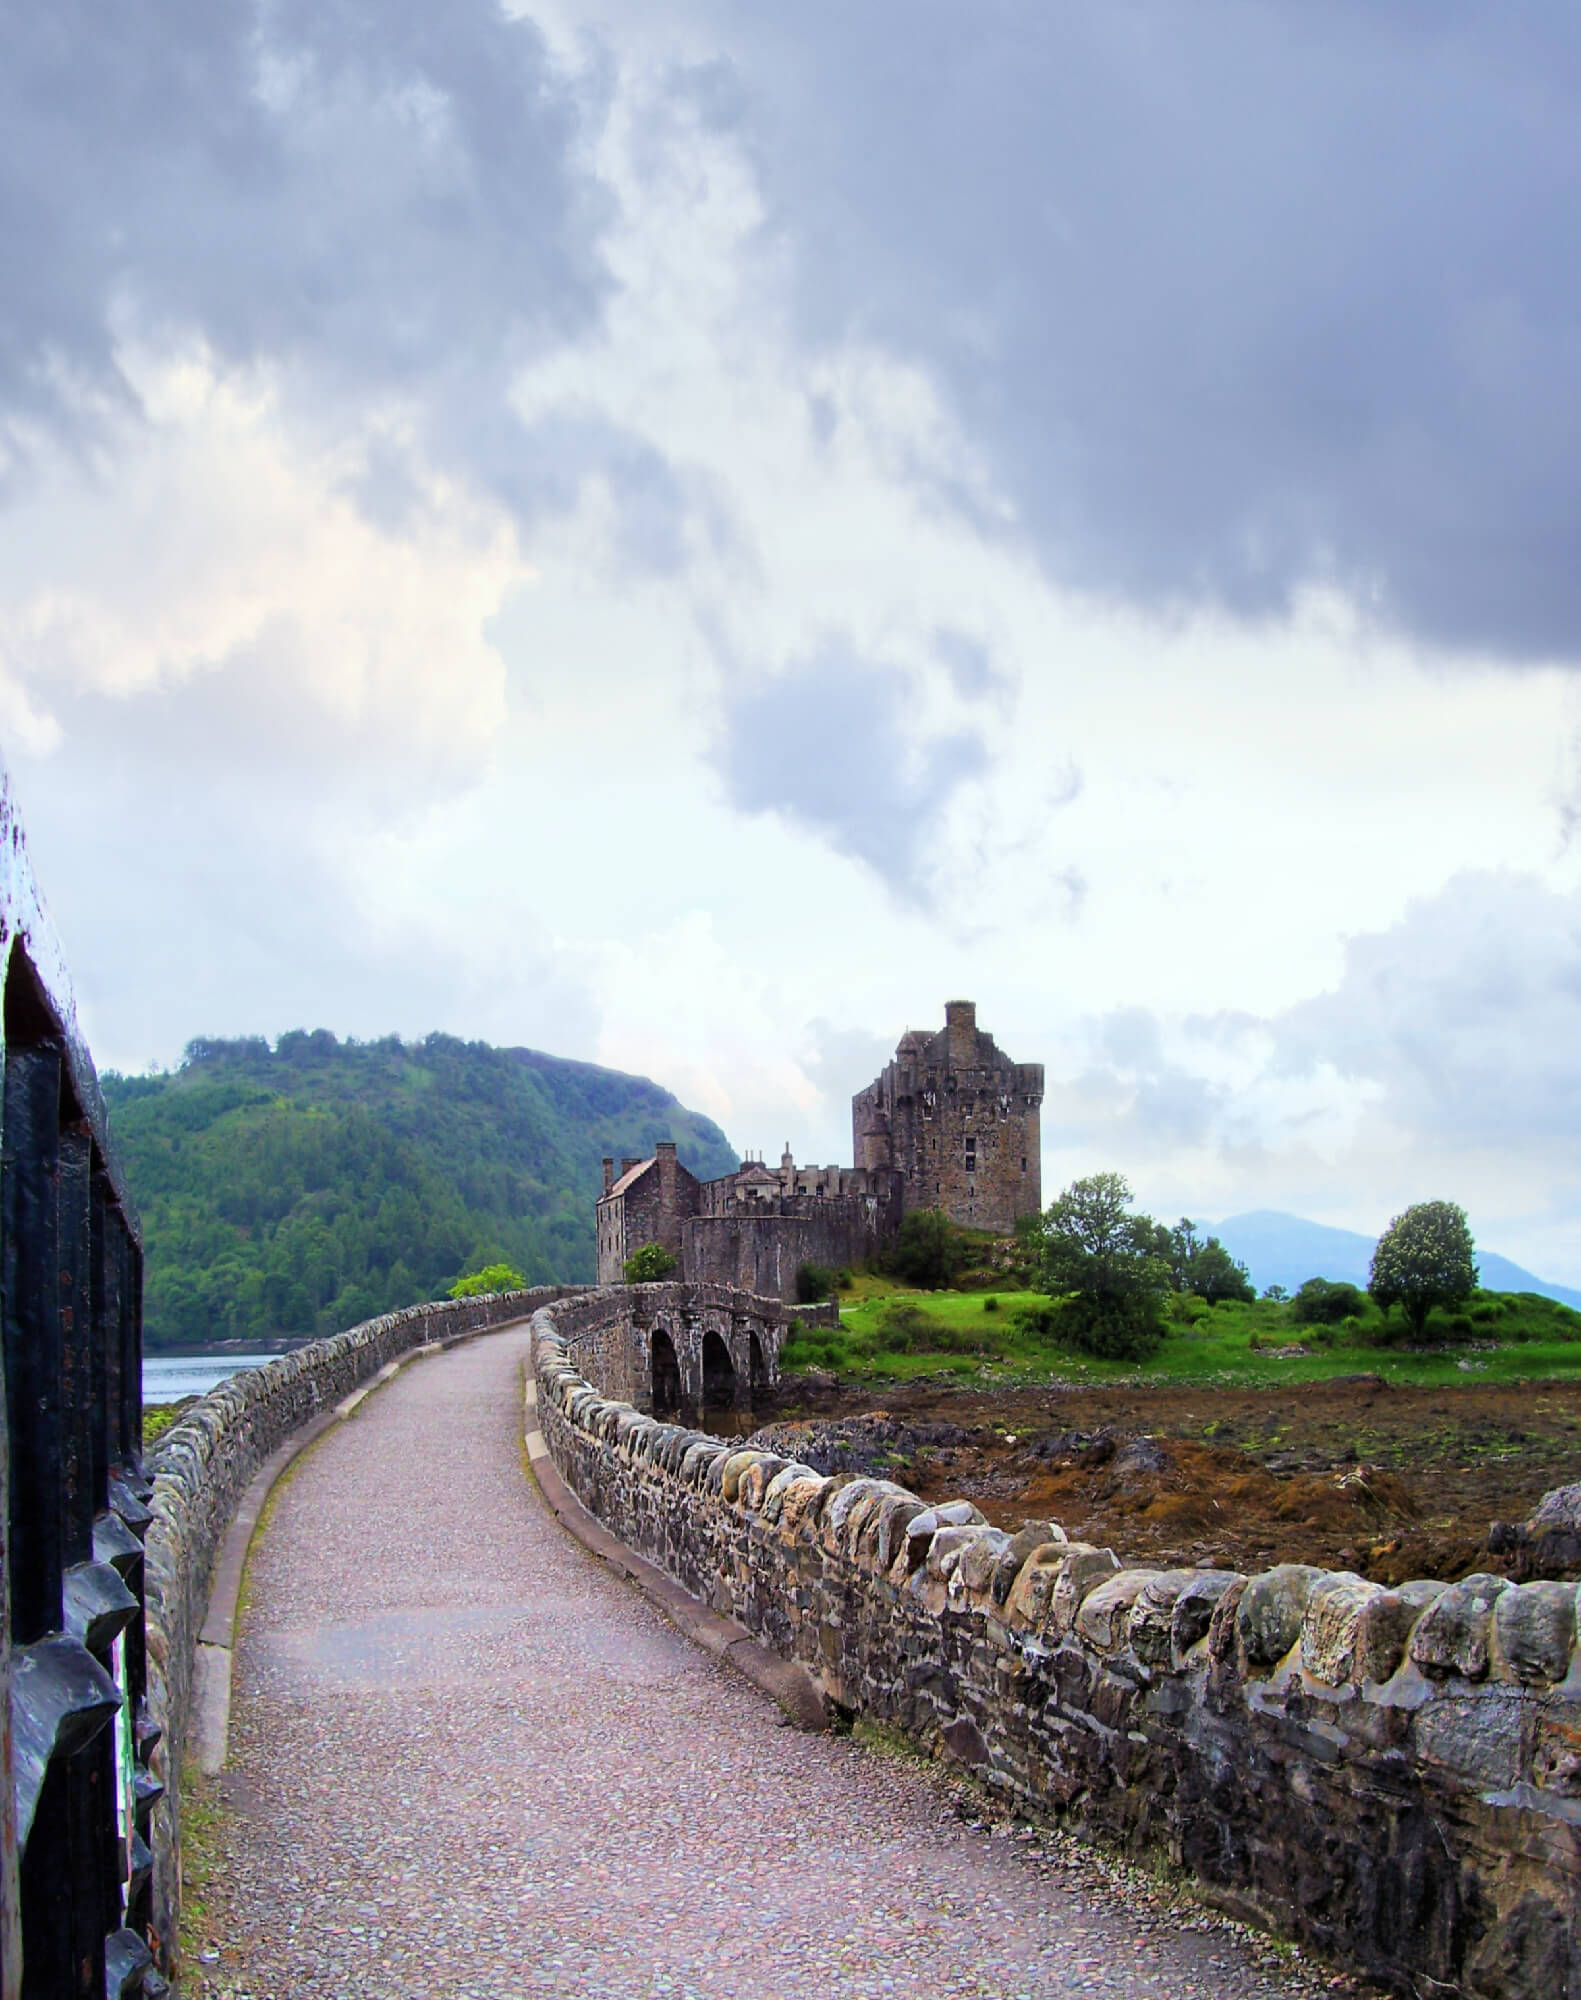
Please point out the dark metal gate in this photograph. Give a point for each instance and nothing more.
(74, 1862)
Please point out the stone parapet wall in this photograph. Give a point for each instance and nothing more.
(1392, 1776)
(201, 1470)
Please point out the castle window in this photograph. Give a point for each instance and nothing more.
(1023, 1163)
(971, 1156)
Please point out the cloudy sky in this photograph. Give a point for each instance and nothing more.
(685, 536)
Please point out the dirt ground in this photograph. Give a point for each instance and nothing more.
(1352, 1474)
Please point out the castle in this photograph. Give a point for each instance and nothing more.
(951, 1123)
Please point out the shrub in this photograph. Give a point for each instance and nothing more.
(928, 1249)
(990, 1304)
(1325, 1302)
(813, 1282)
(492, 1278)
(844, 1280)
(1113, 1329)
(650, 1265)
(906, 1329)
(1042, 1322)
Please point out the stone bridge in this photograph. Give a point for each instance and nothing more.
(675, 1349)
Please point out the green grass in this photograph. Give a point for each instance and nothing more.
(157, 1419)
(887, 1333)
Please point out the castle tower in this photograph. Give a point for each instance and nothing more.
(959, 1121)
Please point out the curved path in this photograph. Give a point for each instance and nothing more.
(469, 1760)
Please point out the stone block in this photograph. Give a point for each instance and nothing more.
(1534, 1627)
(979, 1561)
(799, 1501)
(965, 1741)
(1151, 1629)
(1027, 1602)
(1476, 1736)
(1104, 1617)
(1556, 1751)
(754, 1482)
(1081, 1568)
(774, 1493)
(946, 1548)
(895, 1515)
(1384, 1629)
(845, 1502)
(1035, 1535)
(730, 1470)
(1195, 1606)
(1330, 1644)
(1454, 1635)
(1272, 1606)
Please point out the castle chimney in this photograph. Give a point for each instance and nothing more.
(664, 1152)
(609, 1174)
(627, 1165)
(960, 1021)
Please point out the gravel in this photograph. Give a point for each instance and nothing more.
(469, 1760)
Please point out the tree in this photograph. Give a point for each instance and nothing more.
(1202, 1265)
(650, 1265)
(1425, 1258)
(928, 1249)
(492, 1278)
(1105, 1260)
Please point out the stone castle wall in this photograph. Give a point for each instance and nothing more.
(1393, 1776)
(761, 1252)
(202, 1468)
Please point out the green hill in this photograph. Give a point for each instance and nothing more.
(299, 1189)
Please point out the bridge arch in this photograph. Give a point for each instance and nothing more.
(664, 1373)
(721, 1383)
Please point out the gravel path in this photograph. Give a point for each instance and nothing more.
(467, 1760)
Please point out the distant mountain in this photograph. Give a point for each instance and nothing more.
(1286, 1250)
(301, 1188)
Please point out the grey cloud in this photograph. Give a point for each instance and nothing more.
(378, 203)
(1467, 1013)
(1133, 1102)
(1130, 1037)
(828, 743)
(969, 664)
(842, 1061)
(1234, 297)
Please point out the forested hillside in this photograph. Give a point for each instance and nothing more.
(298, 1189)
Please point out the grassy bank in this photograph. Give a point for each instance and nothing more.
(888, 1333)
